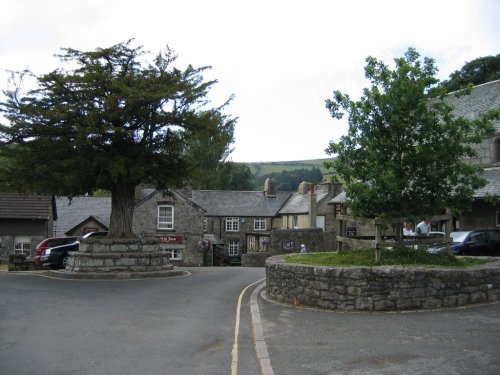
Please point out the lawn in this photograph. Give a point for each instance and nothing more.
(398, 257)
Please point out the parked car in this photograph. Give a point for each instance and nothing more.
(57, 257)
(481, 242)
(50, 242)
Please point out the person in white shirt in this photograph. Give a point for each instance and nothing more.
(423, 228)
(407, 231)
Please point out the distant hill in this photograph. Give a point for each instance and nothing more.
(266, 168)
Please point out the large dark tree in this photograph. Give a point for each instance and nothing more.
(478, 71)
(112, 120)
(403, 153)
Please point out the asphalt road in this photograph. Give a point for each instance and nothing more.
(178, 325)
(186, 325)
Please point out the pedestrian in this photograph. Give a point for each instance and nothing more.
(423, 228)
(303, 249)
(407, 230)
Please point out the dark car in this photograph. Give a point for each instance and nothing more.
(57, 257)
(481, 242)
(51, 242)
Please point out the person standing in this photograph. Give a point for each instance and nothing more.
(303, 249)
(423, 228)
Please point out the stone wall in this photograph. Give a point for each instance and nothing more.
(381, 288)
(289, 240)
(112, 255)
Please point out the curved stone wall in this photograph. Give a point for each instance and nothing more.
(385, 288)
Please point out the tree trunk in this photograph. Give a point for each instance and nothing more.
(122, 211)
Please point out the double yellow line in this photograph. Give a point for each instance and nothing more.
(234, 352)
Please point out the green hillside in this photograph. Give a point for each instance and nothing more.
(266, 168)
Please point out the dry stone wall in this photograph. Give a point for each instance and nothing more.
(381, 288)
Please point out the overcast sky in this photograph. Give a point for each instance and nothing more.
(280, 58)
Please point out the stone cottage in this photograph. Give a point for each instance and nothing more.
(174, 219)
(25, 220)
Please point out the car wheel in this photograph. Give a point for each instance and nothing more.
(65, 261)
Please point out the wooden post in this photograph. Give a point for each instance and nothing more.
(378, 250)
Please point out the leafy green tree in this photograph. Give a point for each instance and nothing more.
(478, 71)
(235, 176)
(112, 120)
(402, 155)
(207, 152)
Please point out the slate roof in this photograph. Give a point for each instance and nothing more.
(71, 214)
(299, 203)
(492, 188)
(239, 203)
(482, 98)
(20, 206)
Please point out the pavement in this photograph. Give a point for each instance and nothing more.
(293, 340)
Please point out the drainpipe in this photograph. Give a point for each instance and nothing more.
(312, 207)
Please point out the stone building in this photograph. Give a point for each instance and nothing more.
(25, 220)
(485, 210)
(174, 219)
(240, 221)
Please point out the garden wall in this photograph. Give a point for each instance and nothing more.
(386, 288)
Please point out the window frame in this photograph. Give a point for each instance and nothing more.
(233, 248)
(259, 223)
(232, 224)
(175, 254)
(168, 225)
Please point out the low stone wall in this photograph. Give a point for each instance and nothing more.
(115, 255)
(18, 262)
(256, 259)
(386, 288)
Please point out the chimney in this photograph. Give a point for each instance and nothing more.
(304, 187)
(270, 187)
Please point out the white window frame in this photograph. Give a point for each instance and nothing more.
(259, 223)
(165, 224)
(233, 248)
(175, 254)
(232, 224)
(22, 245)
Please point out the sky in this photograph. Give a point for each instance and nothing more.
(281, 59)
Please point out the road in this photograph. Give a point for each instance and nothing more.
(186, 325)
(178, 325)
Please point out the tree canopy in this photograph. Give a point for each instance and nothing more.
(111, 120)
(478, 71)
(402, 155)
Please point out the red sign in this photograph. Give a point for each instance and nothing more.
(171, 238)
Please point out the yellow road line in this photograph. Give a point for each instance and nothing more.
(234, 352)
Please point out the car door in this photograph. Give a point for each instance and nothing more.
(494, 242)
(477, 243)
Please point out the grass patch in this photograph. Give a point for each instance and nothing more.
(395, 257)
(4, 267)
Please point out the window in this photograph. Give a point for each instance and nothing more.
(234, 248)
(497, 156)
(176, 254)
(259, 223)
(232, 224)
(295, 221)
(22, 245)
(165, 217)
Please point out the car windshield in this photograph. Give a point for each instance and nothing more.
(458, 236)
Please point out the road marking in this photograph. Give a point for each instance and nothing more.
(234, 352)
